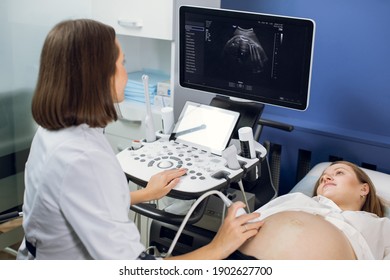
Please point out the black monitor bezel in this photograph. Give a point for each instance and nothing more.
(306, 64)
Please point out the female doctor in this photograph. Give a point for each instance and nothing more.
(77, 200)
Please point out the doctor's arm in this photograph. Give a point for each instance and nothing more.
(158, 186)
(231, 235)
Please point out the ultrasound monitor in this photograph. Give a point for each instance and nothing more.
(250, 56)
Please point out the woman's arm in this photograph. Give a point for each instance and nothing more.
(158, 186)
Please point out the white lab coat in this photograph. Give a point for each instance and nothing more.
(368, 234)
(77, 199)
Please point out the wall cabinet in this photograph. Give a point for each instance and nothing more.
(147, 18)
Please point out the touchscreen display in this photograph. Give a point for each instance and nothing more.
(205, 127)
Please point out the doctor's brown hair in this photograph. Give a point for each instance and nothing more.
(76, 76)
(372, 203)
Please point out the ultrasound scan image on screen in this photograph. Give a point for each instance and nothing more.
(256, 57)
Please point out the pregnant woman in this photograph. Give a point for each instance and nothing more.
(344, 220)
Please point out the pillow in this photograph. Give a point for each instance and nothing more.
(380, 180)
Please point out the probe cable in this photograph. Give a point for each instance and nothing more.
(227, 202)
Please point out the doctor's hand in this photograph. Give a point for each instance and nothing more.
(235, 230)
(230, 236)
(158, 186)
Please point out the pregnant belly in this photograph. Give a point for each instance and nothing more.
(298, 235)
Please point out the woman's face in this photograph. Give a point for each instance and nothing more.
(340, 184)
(120, 78)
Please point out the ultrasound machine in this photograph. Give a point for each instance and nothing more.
(244, 60)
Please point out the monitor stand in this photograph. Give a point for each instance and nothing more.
(261, 185)
(250, 112)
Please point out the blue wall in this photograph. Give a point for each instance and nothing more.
(349, 110)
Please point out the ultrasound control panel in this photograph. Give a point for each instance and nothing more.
(206, 171)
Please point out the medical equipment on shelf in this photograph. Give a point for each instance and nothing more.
(149, 125)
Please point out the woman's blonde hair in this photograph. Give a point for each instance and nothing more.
(372, 204)
(75, 81)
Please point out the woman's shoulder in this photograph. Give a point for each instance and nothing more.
(72, 144)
